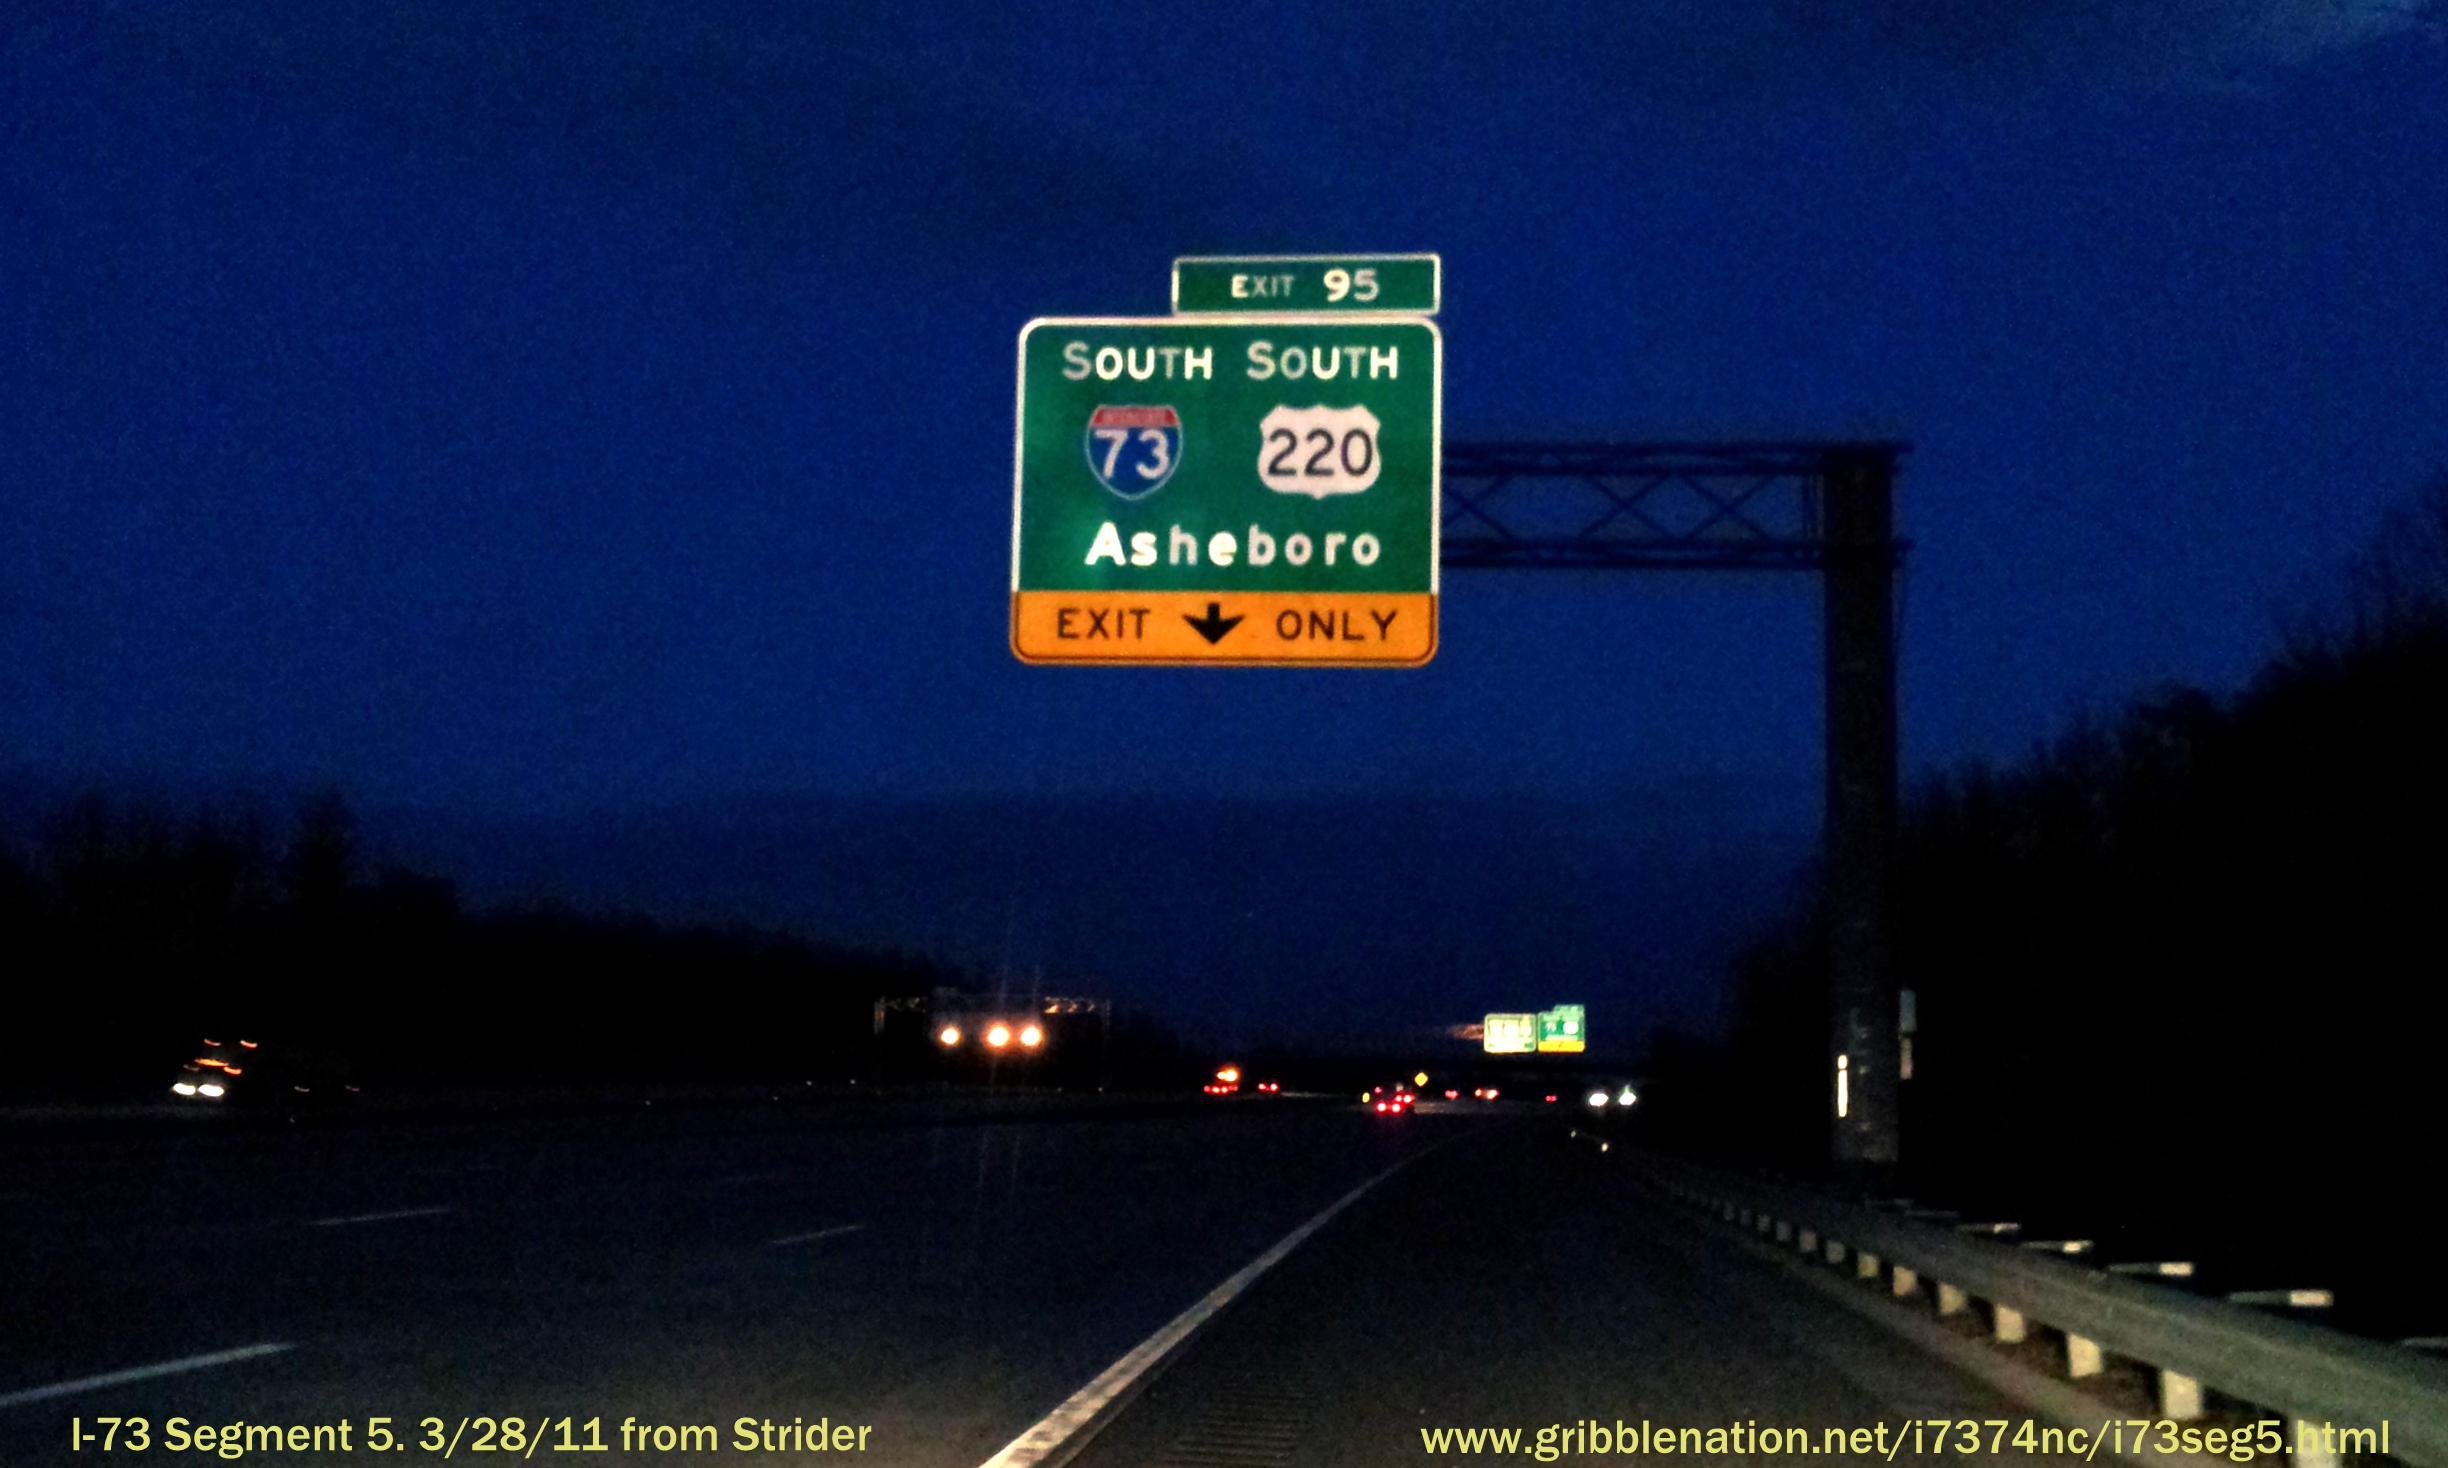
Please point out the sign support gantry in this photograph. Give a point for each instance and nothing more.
(1824, 506)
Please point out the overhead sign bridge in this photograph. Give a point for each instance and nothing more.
(1825, 506)
(1262, 478)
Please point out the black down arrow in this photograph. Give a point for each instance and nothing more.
(1214, 625)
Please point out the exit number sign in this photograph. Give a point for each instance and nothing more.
(1245, 284)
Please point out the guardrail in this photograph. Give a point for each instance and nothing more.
(2308, 1373)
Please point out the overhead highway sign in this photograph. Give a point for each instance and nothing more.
(1510, 1034)
(1227, 489)
(1562, 1030)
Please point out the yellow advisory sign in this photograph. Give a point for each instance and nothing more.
(1309, 629)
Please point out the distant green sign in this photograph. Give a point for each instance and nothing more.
(1562, 1030)
(1248, 284)
(1509, 1034)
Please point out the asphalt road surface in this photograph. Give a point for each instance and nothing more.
(932, 1276)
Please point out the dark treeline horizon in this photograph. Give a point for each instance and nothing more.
(135, 928)
(2184, 960)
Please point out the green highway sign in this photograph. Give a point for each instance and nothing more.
(1253, 284)
(1562, 1029)
(1227, 489)
(1509, 1034)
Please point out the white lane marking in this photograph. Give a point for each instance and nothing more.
(139, 1373)
(822, 1233)
(379, 1217)
(1048, 1436)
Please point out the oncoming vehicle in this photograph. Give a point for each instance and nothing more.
(972, 1031)
(253, 1073)
(1603, 1095)
(996, 1036)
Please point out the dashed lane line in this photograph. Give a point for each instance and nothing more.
(822, 1233)
(140, 1373)
(380, 1217)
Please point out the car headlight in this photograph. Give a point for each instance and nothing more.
(208, 1089)
(184, 1088)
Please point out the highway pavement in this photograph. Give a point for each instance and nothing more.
(911, 1281)
(1518, 1281)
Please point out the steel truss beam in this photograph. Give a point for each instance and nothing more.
(1631, 506)
(1765, 506)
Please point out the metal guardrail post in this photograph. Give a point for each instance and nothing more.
(2325, 1384)
(2305, 1448)
(2180, 1396)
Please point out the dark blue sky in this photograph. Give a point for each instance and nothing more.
(518, 411)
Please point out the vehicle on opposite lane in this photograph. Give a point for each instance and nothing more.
(255, 1073)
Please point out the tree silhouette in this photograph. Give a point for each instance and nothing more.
(2200, 934)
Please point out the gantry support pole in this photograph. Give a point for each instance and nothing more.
(1858, 582)
(1791, 506)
